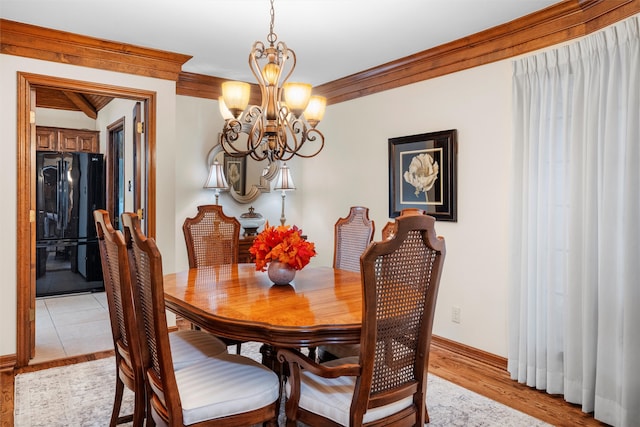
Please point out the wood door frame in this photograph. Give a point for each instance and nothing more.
(26, 200)
(111, 161)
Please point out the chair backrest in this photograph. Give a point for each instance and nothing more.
(401, 277)
(212, 238)
(351, 236)
(389, 228)
(148, 295)
(117, 283)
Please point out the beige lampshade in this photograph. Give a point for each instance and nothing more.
(315, 109)
(236, 96)
(216, 179)
(284, 181)
(224, 111)
(297, 95)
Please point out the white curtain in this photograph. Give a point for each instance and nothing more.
(574, 305)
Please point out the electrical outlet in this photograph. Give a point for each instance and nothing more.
(455, 314)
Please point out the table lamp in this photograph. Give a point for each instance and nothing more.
(216, 179)
(285, 183)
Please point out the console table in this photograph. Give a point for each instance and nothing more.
(244, 244)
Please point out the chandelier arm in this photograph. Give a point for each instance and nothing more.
(289, 129)
(306, 134)
(255, 139)
(258, 52)
(289, 58)
(230, 133)
(309, 136)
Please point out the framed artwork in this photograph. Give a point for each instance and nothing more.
(422, 174)
(235, 170)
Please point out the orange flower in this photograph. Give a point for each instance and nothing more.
(282, 243)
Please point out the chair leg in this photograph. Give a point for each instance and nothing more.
(139, 408)
(117, 402)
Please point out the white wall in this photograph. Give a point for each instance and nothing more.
(353, 170)
(64, 119)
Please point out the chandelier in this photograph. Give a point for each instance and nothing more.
(285, 122)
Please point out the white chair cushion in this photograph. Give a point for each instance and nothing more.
(225, 385)
(190, 346)
(331, 397)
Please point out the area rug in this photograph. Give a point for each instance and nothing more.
(81, 395)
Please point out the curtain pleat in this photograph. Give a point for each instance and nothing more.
(575, 214)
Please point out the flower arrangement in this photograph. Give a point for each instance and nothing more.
(283, 243)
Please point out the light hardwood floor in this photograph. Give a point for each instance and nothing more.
(483, 378)
(494, 382)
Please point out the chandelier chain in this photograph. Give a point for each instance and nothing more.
(272, 37)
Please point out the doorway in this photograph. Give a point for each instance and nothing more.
(115, 171)
(26, 194)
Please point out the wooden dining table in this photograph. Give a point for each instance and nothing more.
(321, 305)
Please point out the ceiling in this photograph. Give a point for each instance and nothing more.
(89, 104)
(332, 38)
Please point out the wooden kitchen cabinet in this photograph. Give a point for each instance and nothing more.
(63, 139)
(46, 139)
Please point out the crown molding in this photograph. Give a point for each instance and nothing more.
(203, 86)
(556, 24)
(31, 41)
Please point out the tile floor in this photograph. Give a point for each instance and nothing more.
(71, 325)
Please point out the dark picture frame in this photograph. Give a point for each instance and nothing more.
(422, 174)
(235, 170)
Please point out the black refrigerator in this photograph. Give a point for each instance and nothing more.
(69, 187)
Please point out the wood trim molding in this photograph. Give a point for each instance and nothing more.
(7, 362)
(26, 154)
(558, 23)
(59, 46)
(470, 352)
(26, 230)
(564, 21)
(202, 86)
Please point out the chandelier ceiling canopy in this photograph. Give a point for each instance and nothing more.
(285, 122)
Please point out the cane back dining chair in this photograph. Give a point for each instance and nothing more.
(225, 390)
(212, 239)
(352, 235)
(385, 384)
(187, 346)
(389, 228)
